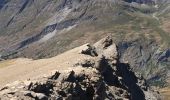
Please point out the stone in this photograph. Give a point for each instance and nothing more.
(102, 77)
(89, 50)
(41, 96)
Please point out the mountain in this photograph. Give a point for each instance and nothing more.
(39, 29)
(148, 1)
(91, 72)
(141, 1)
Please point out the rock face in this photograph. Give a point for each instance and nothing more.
(45, 28)
(101, 78)
(139, 55)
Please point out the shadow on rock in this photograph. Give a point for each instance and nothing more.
(129, 80)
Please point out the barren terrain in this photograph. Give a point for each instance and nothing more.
(23, 69)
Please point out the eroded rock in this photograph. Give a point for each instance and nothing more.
(89, 50)
(102, 77)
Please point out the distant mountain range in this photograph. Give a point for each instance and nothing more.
(148, 1)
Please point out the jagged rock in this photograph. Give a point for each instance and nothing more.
(101, 64)
(55, 76)
(102, 77)
(107, 48)
(107, 42)
(86, 63)
(89, 50)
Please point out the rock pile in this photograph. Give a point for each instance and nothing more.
(100, 78)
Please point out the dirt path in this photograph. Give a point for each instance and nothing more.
(23, 69)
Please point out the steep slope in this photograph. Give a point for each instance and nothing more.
(44, 28)
(51, 21)
(96, 74)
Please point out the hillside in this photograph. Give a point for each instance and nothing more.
(38, 29)
(41, 29)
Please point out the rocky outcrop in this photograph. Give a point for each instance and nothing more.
(99, 78)
(143, 59)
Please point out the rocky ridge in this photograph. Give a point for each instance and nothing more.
(39, 29)
(99, 78)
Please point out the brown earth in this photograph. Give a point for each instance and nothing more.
(22, 69)
(165, 93)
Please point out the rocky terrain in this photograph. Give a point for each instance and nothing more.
(41, 29)
(99, 78)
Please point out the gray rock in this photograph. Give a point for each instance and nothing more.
(41, 96)
(97, 78)
(90, 50)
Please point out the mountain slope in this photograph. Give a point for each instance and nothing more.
(41, 29)
(88, 72)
